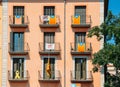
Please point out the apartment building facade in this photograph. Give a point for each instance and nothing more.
(46, 43)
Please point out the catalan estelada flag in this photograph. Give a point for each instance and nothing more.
(81, 47)
(76, 19)
(18, 19)
(52, 20)
(48, 68)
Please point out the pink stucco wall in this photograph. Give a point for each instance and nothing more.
(34, 35)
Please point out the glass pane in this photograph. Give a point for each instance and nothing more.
(18, 42)
(48, 38)
(49, 10)
(18, 68)
(80, 68)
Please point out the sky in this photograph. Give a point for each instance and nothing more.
(114, 6)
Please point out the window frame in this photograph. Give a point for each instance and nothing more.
(12, 57)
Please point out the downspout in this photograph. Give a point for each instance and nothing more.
(64, 43)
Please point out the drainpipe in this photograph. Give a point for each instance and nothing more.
(64, 43)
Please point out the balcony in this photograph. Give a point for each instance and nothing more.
(81, 48)
(55, 77)
(81, 23)
(78, 76)
(49, 49)
(23, 77)
(47, 21)
(19, 49)
(18, 22)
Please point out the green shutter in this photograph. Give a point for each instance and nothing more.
(11, 42)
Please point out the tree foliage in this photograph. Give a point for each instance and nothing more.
(110, 53)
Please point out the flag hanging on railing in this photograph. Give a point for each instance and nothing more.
(45, 18)
(49, 46)
(75, 85)
(48, 19)
(76, 19)
(52, 20)
(48, 68)
(18, 19)
(81, 47)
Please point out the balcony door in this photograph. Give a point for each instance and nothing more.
(17, 41)
(81, 11)
(49, 37)
(80, 68)
(18, 68)
(18, 12)
(80, 38)
(49, 68)
(49, 10)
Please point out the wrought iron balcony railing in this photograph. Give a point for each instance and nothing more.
(18, 21)
(80, 76)
(80, 48)
(18, 76)
(18, 48)
(49, 48)
(47, 21)
(54, 77)
(80, 21)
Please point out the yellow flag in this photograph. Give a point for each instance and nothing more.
(48, 68)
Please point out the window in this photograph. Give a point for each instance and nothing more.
(79, 39)
(49, 10)
(18, 67)
(49, 38)
(81, 11)
(49, 68)
(18, 12)
(17, 41)
(80, 68)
